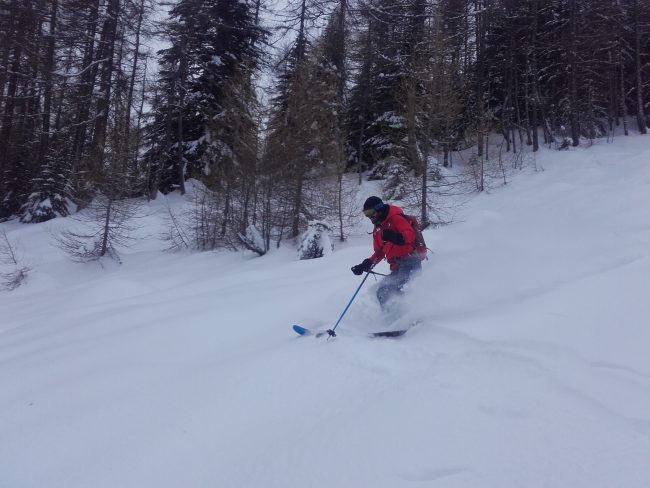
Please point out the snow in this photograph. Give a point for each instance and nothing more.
(529, 367)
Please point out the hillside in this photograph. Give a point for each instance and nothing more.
(529, 366)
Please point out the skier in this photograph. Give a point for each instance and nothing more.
(393, 239)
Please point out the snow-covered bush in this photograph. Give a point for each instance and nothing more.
(49, 198)
(316, 241)
(40, 208)
(253, 240)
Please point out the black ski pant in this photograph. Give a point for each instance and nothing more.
(392, 284)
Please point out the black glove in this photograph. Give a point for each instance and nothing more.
(392, 236)
(366, 265)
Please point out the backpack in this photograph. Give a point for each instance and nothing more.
(419, 246)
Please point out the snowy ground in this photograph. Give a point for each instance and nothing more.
(530, 367)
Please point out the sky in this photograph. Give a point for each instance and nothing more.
(528, 366)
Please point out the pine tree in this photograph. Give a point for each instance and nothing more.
(19, 131)
(212, 43)
(374, 126)
(59, 107)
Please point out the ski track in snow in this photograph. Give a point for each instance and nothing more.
(528, 368)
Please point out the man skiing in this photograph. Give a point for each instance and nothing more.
(393, 239)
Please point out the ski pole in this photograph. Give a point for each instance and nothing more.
(331, 331)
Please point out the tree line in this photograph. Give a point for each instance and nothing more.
(372, 87)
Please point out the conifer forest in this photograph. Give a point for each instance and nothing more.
(267, 110)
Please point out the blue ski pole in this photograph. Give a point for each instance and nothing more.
(331, 331)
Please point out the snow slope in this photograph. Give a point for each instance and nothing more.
(530, 367)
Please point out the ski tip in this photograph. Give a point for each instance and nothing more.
(300, 330)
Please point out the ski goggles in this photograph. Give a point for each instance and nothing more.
(370, 212)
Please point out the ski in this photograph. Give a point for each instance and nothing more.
(389, 333)
(396, 333)
(303, 331)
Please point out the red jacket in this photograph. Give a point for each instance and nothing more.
(393, 252)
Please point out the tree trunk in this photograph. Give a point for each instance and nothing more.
(10, 105)
(180, 154)
(107, 225)
(6, 49)
(339, 59)
(297, 206)
(622, 101)
(611, 85)
(138, 124)
(480, 75)
(573, 73)
(640, 113)
(48, 68)
(134, 70)
(86, 88)
(533, 65)
(105, 55)
(424, 210)
(339, 204)
(411, 125)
